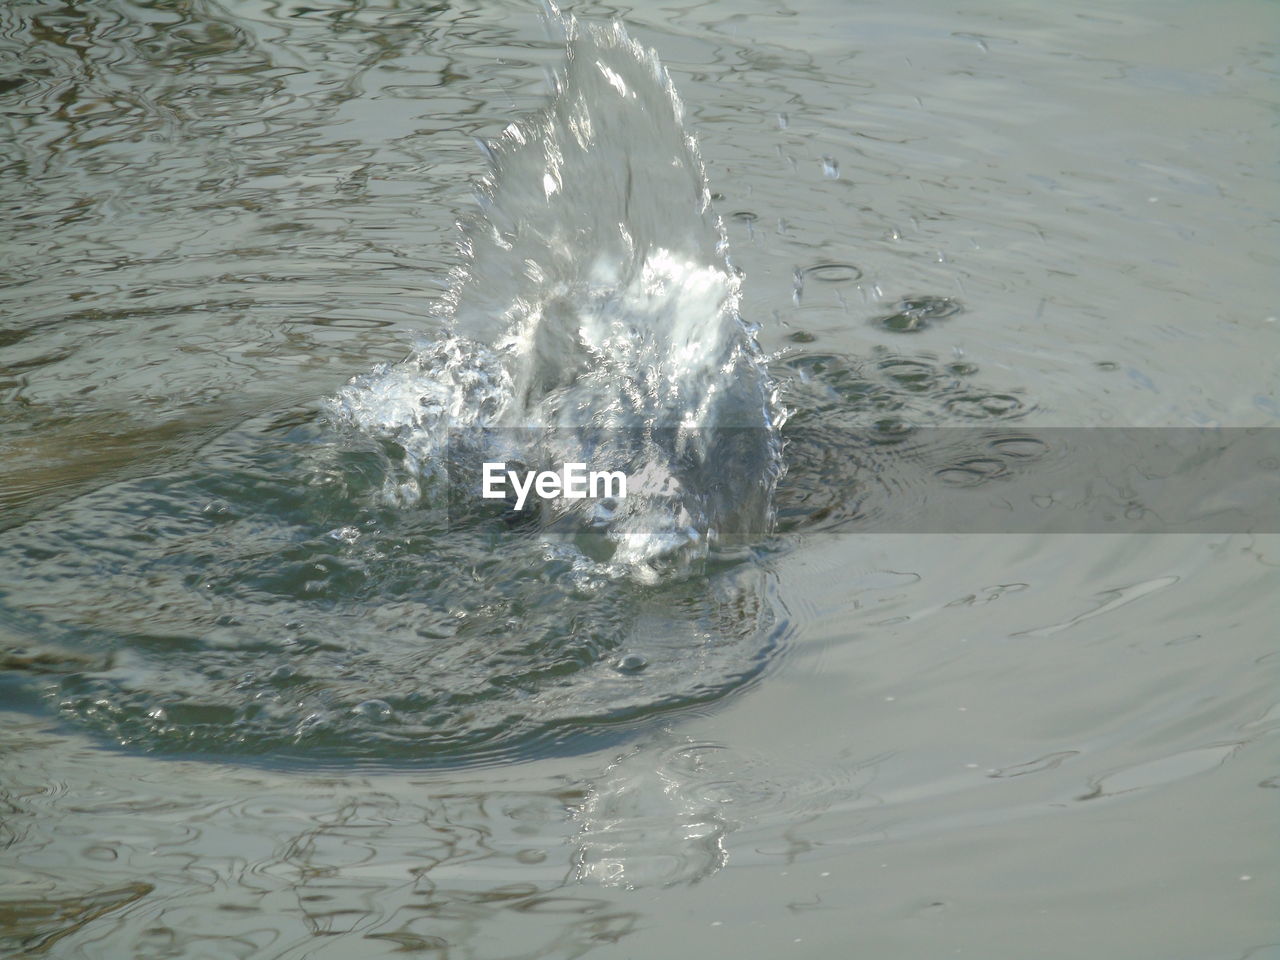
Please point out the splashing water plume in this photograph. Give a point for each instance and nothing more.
(596, 320)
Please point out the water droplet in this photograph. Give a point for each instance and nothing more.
(932, 308)
(830, 168)
(378, 711)
(631, 663)
(912, 314)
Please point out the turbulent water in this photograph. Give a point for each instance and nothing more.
(324, 581)
(316, 583)
(596, 321)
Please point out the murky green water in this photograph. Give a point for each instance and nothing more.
(255, 708)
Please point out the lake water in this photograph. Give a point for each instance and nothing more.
(1002, 682)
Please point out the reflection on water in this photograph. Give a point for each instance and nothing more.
(404, 865)
(1031, 217)
(33, 926)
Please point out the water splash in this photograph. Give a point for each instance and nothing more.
(595, 320)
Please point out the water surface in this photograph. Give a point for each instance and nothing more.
(1007, 744)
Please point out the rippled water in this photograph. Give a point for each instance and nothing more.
(262, 698)
(308, 586)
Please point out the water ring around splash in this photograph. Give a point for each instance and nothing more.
(302, 587)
